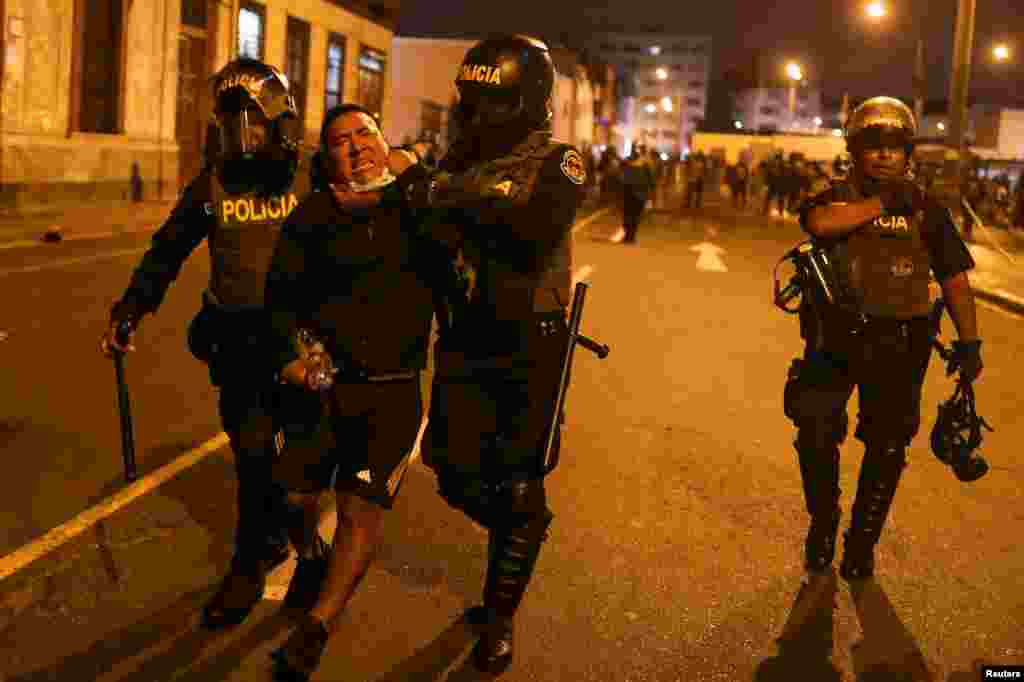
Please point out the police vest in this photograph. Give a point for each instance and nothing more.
(516, 280)
(884, 267)
(242, 243)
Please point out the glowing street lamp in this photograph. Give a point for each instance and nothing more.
(655, 50)
(794, 71)
(738, 124)
(650, 108)
(661, 73)
(876, 10)
(1001, 52)
(666, 103)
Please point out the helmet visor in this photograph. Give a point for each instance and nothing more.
(244, 133)
(882, 137)
(483, 106)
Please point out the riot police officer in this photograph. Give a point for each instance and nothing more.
(251, 182)
(511, 194)
(870, 329)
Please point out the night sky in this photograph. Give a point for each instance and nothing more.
(851, 52)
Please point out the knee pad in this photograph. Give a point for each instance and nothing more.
(819, 435)
(504, 505)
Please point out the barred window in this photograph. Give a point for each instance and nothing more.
(251, 22)
(334, 83)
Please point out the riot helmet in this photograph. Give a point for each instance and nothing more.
(881, 122)
(256, 120)
(505, 81)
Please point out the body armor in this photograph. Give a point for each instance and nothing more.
(883, 269)
(516, 279)
(242, 244)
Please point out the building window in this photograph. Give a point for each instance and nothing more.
(371, 80)
(193, 13)
(251, 21)
(334, 88)
(296, 65)
(100, 54)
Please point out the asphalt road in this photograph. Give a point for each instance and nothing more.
(675, 554)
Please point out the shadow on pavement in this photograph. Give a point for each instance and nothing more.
(432, 661)
(162, 645)
(887, 652)
(806, 642)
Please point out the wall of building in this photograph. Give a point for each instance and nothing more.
(757, 147)
(768, 108)
(1011, 134)
(423, 70)
(46, 162)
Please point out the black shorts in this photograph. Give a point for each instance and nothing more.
(374, 426)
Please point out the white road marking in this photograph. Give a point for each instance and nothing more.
(998, 309)
(589, 219)
(72, 261)
(709, 259)
(56, 537)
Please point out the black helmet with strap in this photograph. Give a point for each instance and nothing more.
(881, 121)
(248, 87)
(505, 81)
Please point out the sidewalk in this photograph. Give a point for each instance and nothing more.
(84, 222)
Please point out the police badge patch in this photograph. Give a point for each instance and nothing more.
(573, 167)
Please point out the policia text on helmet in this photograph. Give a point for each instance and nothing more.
(256, 126)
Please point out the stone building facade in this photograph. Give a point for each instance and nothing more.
(108, 100)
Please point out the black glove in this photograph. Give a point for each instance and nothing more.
(901, 197)
(966, 359)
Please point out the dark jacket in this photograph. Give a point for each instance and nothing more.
(362, 280)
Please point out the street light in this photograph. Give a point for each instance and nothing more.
(650, 108)
(738, 124)
(796, 75)
(666, 103)
(1001, 52)
(661, 73)
(876, 10)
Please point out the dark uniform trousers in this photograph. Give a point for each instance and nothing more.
(886, 360)
(234, 345)
(490, 414)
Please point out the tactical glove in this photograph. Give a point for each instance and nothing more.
(901, 197)
(966, 359)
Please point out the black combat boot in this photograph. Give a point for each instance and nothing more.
(304, 588)
(876, 487)
(261, 544)
(819, 472)
(512, 555)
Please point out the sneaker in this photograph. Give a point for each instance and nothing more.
(309, 575)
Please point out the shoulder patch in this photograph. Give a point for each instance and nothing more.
(573, 166)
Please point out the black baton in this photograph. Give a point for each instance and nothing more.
(575, 316)
(124, 405)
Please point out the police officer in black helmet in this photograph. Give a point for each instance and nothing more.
(882, 235)
(252, 181)
(511, 194)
